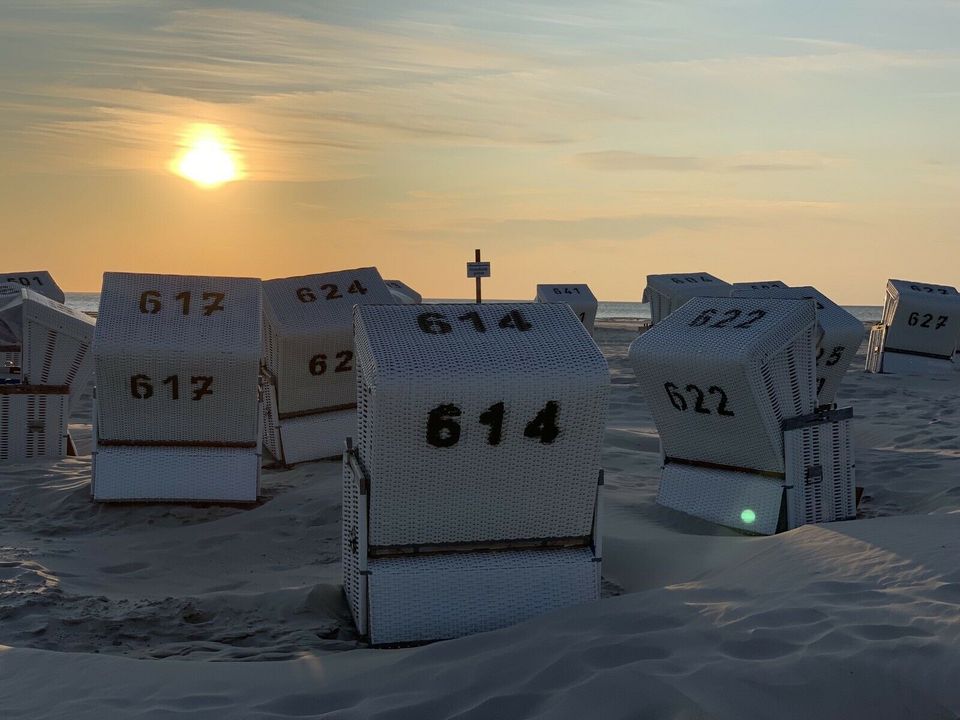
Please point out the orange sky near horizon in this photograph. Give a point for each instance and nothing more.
(572, 142)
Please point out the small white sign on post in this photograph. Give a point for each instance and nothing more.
(478, 269)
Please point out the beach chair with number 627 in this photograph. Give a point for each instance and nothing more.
(919, 332)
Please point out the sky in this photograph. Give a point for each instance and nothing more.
(814, 142)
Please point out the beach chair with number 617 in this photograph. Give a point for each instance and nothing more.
(177, 412)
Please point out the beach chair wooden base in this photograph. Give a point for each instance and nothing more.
(881, 359)
(175, 474)
(33, 421)
(317, 436)
(818, 484)
(420, 594)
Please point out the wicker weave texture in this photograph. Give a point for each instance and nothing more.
(403, 293)
(579, 297)
(667, 293)
(721, 374)
(178, 359)
(32, 425)
(309, 336)
(839, 339)
(451, 595)
(922, 318)
(829, 494)
(176, 474)
(472, 435)
(354, 546)
(39, 281)
(722, 496)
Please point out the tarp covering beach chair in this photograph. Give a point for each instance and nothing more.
(177, 413)
(920, 329)
(311, 392)
(731, 386)
(838, 340)
(404, 294)
(50, 364)
(40, 281)
(470, 497)
(579, 297)
(666, 293)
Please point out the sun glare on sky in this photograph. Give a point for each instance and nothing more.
(207, 157)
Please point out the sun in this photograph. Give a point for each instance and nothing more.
(207, 157)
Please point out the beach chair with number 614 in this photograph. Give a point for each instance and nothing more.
(470, 494)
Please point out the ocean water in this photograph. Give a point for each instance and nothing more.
(605, 311)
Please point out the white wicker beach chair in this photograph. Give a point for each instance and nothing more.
(838, 340)
(920, 329)
(666, 293)
(310, 389)
(579, 297)
(470, 497)
(404, 294)
(40, 281)
(177, 414)
(731, 385)
(48, 364)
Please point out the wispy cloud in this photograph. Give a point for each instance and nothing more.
(627, 161)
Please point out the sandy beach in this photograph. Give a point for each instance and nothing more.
(153, 611)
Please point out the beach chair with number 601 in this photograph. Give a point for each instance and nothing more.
(666, 293)
(470, 494)
(731, 383)
(177, 413)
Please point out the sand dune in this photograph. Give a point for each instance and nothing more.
(203, 611)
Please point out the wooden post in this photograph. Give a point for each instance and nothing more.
(477, 253)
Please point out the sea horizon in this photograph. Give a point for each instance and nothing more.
(606, 309)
